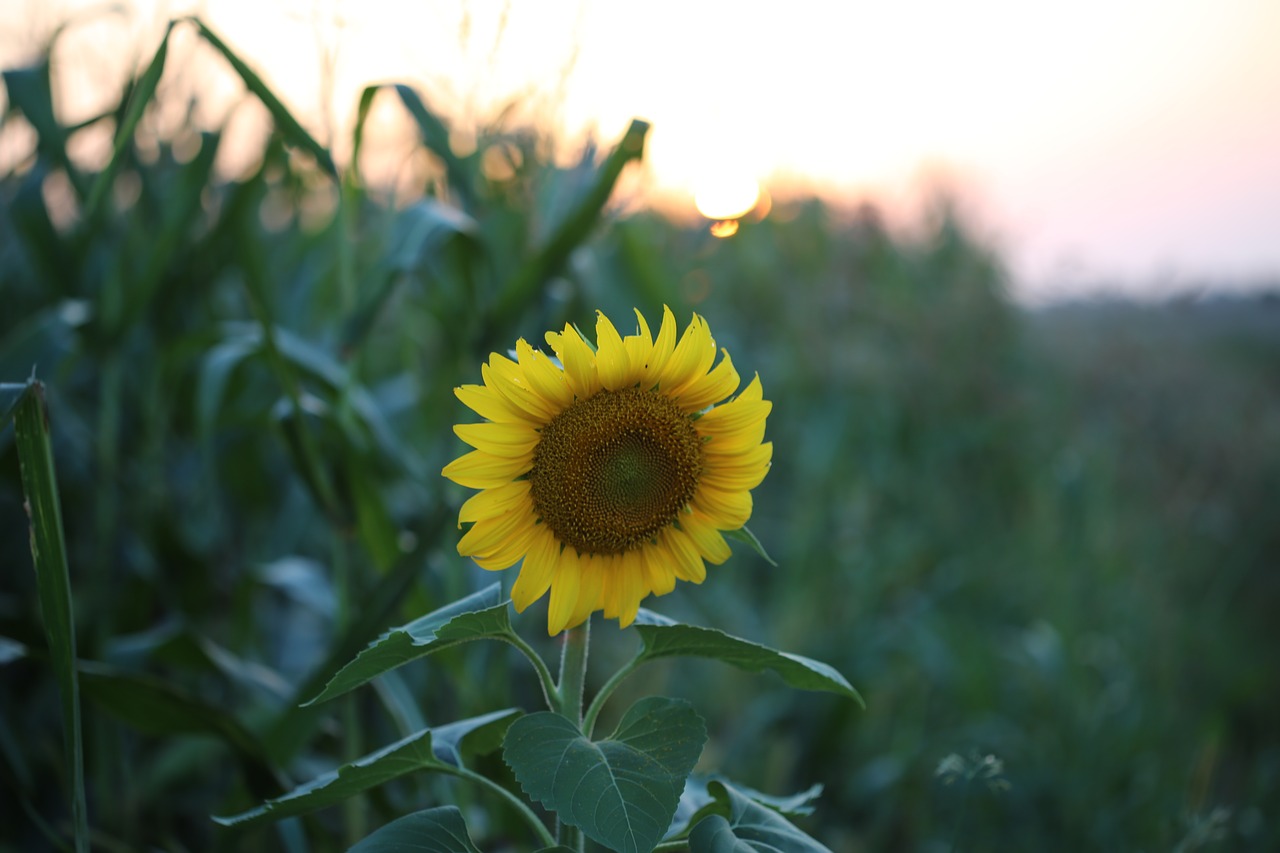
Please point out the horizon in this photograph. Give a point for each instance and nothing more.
(1144, 171)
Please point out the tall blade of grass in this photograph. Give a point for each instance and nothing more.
(357, 134)
(31, 92)
(436, 137)
(141, 95)
(180, 219)
(523, 286)
(308, 457)
(48, 551)
(294, 134)
(11, 394)
(289, 127)
(419, 235)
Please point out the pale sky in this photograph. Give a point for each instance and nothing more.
(1130, 142)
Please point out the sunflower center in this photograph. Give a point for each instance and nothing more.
(611, 471)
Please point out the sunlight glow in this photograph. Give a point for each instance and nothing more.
(725, 195)
(1119, 139)
(724, 228)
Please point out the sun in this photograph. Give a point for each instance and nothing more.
(724, 194)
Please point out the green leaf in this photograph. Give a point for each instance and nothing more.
(30, 91)
(418, 236)
(419, 751)
(696, 798)
(622, 791)
(181, 216)
(479, 616)
(157, 707)
(521, 288)
(378, 531)
(474, 736)
(439, 830)
(53, 580)
(745, 826)
(290, 730)
(215, 373)
(663, 637)
(290, 129)
(138, 100)
(743, 534)
(11, 394)
(436, 137)
(53, 256)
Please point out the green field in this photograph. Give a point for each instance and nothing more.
(1049, 536)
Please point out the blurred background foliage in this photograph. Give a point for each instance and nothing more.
(1047, 535)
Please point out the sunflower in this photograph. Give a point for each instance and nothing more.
(610, 472)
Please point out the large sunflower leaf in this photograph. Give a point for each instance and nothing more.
(621, 791)
(696, 799)
(663, 638)
(439, 830)
(481, 615)
(430, 749)
(475, 735)
(744, 826)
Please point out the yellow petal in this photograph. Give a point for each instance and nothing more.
(578, 360)
(738, 424)
(663, 346)
(544, 376)
(706, 538)
(489, 534)
(612, 362)
(510, 550)
(504, 376)
(538, 570)
(494, 502)
(632, 586)
(709, 388)
(639, 346)
(480, 470)
(727, 510)
(692, 356)
(489, 404)
(660, 576)
(589, 590)
(725, 444)
(752, 457)
(564, 591)
(610, 600)
(507, 440)
(729, 481)
(685, 560)
(736, 472)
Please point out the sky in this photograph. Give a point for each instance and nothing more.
(1129, 145)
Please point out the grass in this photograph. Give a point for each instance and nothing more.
(1046, 536)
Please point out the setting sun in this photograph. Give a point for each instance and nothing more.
(725, 195)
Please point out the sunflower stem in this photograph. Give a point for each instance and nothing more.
(535, 823)
(573, 671)
(549, 690)
(593, 711)
(573, 677)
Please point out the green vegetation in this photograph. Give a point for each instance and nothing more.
(1049, 537)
